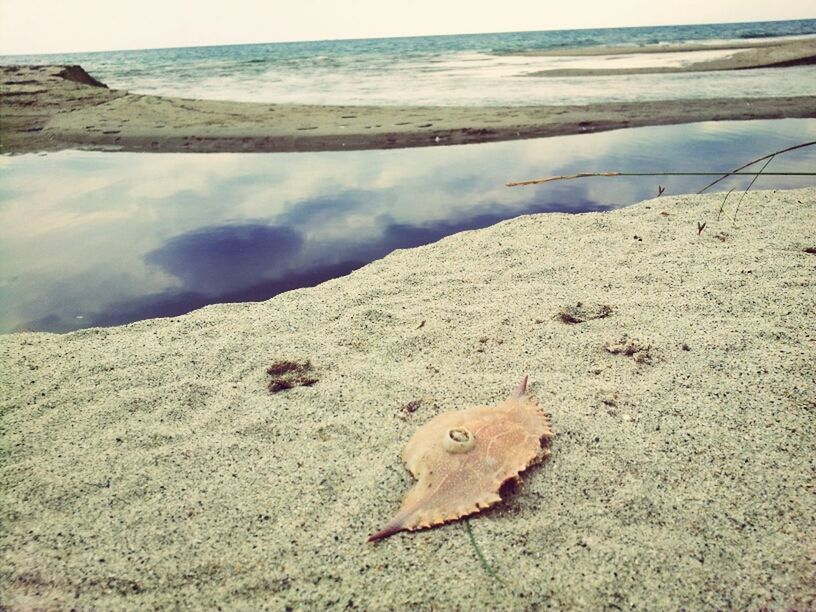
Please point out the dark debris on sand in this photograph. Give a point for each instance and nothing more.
(288, 374)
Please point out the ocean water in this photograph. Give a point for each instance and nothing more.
(479, 69)
(95, 239)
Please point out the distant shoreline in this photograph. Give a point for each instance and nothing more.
(52, 108)
(745, 56)
(674, 47)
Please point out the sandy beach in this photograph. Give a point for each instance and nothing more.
(148, 466)
(49, 108)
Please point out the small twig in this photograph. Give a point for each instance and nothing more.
(759, 159)
(479, 554)
(567, 177)
(564, 177)
(770, 159)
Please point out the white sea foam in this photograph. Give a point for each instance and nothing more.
(485, 69)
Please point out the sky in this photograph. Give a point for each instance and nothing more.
(61, 26)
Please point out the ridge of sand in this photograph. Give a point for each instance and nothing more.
(147, 466)
(801, 52)
(679, 47)
(42, 111)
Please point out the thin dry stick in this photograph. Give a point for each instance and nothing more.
(547, 179)
(759, 159)
(751, 184)
(566, 177)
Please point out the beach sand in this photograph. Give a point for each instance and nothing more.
(756, 54)
(148, 466)
(44, 111)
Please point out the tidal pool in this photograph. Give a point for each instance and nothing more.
(96, 239)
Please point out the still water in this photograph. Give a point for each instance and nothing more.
(95, 239)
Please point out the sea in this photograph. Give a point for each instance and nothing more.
(91, 238)
(471, 69)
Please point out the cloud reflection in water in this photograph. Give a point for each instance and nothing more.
(216, 260)
(102, 239)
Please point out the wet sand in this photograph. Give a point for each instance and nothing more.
(761, 54)
(49, 108)
(148, 466)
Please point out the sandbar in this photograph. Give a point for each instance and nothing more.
(744, 56)
(50, 108)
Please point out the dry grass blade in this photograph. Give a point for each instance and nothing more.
(719, 214)
(757, 160)
(485, 565)
(751, 184)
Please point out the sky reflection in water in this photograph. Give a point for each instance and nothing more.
(89, 239)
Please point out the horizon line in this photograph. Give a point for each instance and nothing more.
(405, 36)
